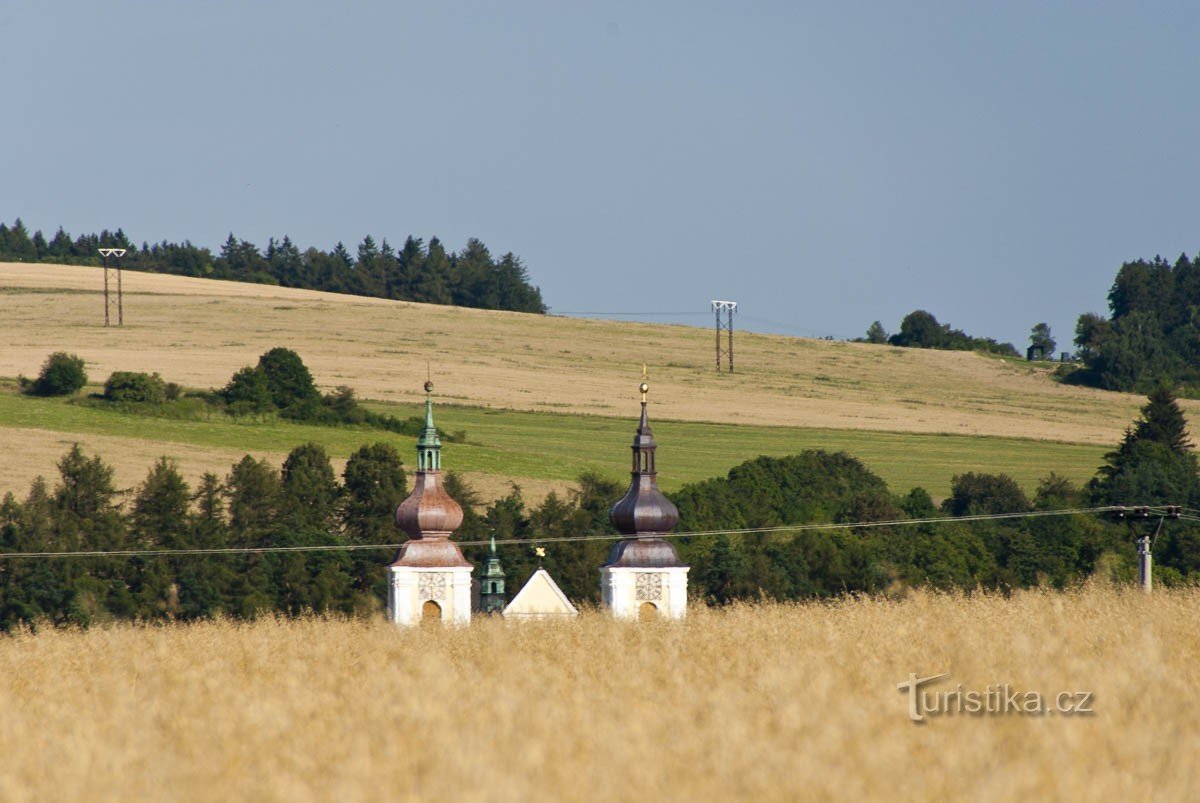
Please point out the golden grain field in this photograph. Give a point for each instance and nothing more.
(762, 702)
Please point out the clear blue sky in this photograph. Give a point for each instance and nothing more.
(825, 165)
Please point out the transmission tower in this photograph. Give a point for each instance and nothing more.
(728, 308)
(118, 253)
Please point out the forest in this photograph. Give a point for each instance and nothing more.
(1152, 333)
(418, 271)
(304, 503)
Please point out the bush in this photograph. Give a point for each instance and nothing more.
(62, 374)
(247, 392)
(133, 386)
(974, 494)
(288, 380)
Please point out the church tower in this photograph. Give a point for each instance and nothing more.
(430, 578)
(491, 586)
(644, 576)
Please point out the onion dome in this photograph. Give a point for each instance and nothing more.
(644, 512)
(429, 515)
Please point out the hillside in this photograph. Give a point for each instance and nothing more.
(198, 332)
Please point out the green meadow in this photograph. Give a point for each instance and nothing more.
(559, 447)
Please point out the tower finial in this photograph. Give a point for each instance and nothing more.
(645, 386)
(429, 446)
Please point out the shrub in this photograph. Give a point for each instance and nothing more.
(62, 374)
(288, 380)
(973, 494)
(247, 392)
(133, 386)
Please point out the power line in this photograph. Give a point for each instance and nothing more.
(633, 314)
(794, 528)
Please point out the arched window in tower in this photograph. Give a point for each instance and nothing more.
(647, 611)
(431, 612)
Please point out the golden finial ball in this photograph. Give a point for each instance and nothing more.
(645, 388)
(428, 386)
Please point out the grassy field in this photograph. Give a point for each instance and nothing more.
(539, 451)
(198, 332)
(771, 702)
(915, 417)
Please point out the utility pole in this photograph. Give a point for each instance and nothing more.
(728, 308)
(118, 253)
(1145, 541)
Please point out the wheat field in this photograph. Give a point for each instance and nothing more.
(753, 702)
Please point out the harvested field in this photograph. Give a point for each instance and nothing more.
(198, 332)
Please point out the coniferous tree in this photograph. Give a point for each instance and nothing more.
(1154, 464)
(876, 333)
(206, 582)
(18, 246)
(159, 521)
(310, 489)
(379, 271)
(374, 485)
(410, 262)
(254, 492)
(432, 283)
(86, 517)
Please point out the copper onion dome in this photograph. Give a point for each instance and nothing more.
(429, 515)
(644, 512)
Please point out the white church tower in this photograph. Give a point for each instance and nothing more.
(430, 578)
(644, 576)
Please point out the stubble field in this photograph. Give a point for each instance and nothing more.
(763, 702)
(788, 393)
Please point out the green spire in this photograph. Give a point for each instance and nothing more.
(429, 447)
(492, 598)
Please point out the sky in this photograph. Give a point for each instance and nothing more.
(823, 164)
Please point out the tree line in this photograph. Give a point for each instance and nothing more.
(922, 330)
(303, 503)
(1152, 332)
(418, 271)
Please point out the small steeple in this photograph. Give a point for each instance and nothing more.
(644, 576)
(429, 446)
(429, 515)
(491, 588)
(643, 512)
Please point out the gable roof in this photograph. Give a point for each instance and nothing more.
(540, 598)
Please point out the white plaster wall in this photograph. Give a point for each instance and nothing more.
(407, 593)
(618, 591)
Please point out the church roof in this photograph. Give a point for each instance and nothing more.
(643, 553)
(540, 598)
(429, 515)
(644, 511)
